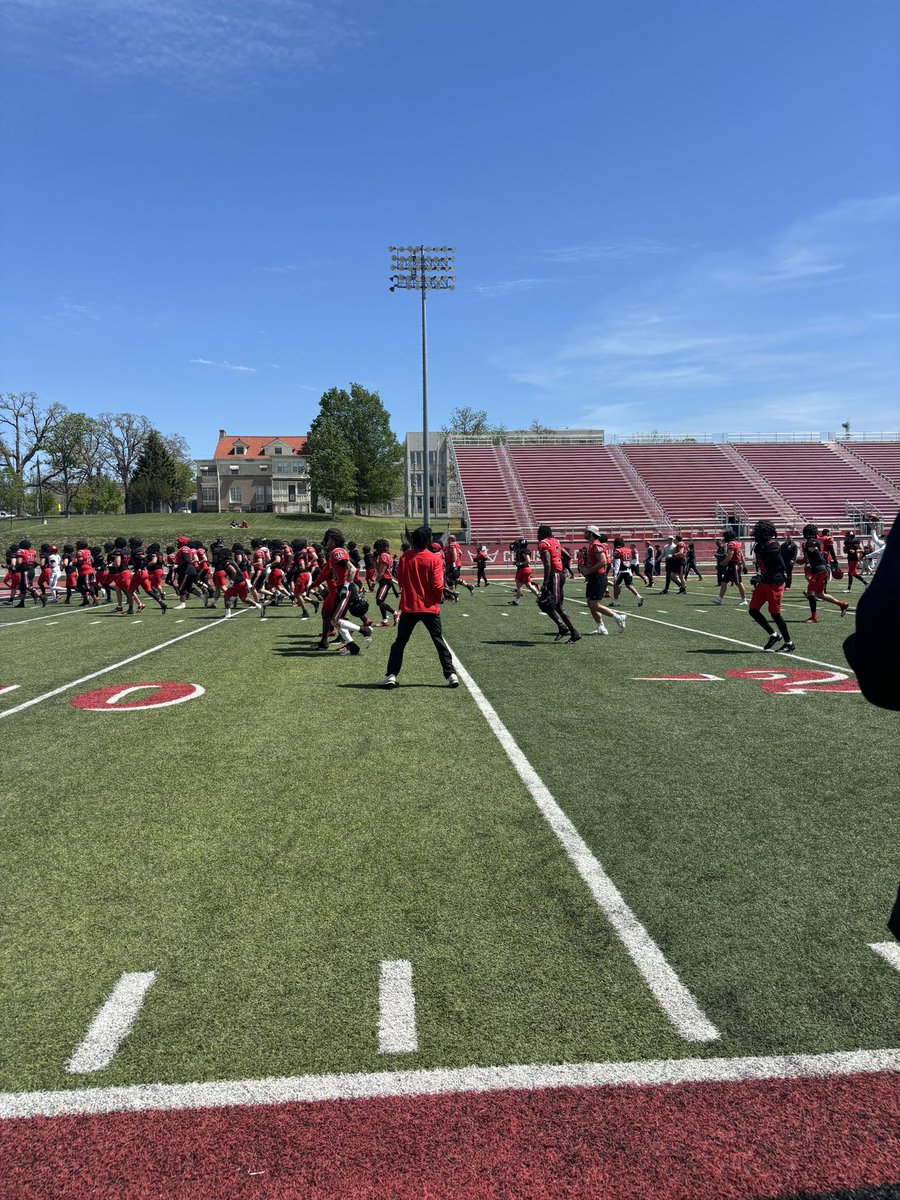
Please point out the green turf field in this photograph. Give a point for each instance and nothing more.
(265, 846)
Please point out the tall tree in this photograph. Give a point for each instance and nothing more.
(184, 468)
(156, 480)
(330, 464)
(70, 447)
(124, 435)
(24, 426)
(362, 451)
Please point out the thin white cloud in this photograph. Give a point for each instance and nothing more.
(504, 287)
(185, 43)
(286, 269)
(225, 365)
(739, 339)
(621, 248)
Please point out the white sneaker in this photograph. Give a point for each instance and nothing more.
(716, 600)
(227, 613)
(452, 681)
(601, 630)
(640, 601)
(181, 605)
(743, 603)
(367, 641)
(389, 681)
(620, 621)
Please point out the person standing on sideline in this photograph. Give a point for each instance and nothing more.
(481, 567)
(733, 568)
(789, 557)
(768, 585)
(691, 562)
(668, 553)
(675, 563)
(648, 563)
(421, 577)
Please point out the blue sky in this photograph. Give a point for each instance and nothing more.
(675, 216)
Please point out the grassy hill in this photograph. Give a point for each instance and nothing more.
(165, 527)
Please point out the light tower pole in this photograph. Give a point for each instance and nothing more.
(423, 268)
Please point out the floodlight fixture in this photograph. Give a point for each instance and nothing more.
(423, 269)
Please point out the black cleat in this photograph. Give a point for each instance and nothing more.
(787, 648)
(775, 637)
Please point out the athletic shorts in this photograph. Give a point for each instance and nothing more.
(676, 566)
(595, 588)
(275, 576)
(156, 577)
(523, 576)
(302, 582)
(625, 578)
(767, 593)
(852, 569)
(240, 588)
(815, 584)
(731, 573)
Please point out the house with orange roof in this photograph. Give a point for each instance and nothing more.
(255, 474)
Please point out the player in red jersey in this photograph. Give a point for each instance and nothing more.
(481, 562)
(594, 564)
(550, 601)
(384, 577)
(623, 570)
(140, 577)
(768, 585)
(815, 563)
(84, 565)
(341, 574)
(733, 568)
(421, 591)
(522, 562)
(300, 576)
(453, 566)
(26, 562)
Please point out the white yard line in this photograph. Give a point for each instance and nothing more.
(157, 1097)
(792, 657)
(112, 1024)
(52, 616)
(212, 624)
(671, 994)
(396, 1008)
(889, 951)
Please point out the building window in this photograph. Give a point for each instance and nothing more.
(240, 448)
(264, 466)
(234, 470)
(234, 495)
(278, 450)
(210, 494)
(292, 493)
(208, 470)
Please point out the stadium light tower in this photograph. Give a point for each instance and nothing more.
(422, 268)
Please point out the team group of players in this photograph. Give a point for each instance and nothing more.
(338, 578)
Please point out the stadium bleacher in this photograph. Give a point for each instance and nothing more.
(883, 457)
(663, 485)
(818, 483)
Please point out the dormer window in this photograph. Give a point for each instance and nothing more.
(240, 448)
(278, 449)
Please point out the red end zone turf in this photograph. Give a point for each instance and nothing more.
(710, 1141)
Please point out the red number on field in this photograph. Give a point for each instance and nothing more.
(115, 699)
(794, 682)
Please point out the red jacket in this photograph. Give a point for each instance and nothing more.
(421, 576)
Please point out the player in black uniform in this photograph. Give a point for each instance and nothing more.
(768, 585)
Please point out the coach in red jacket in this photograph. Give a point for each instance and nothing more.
(421, 577)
